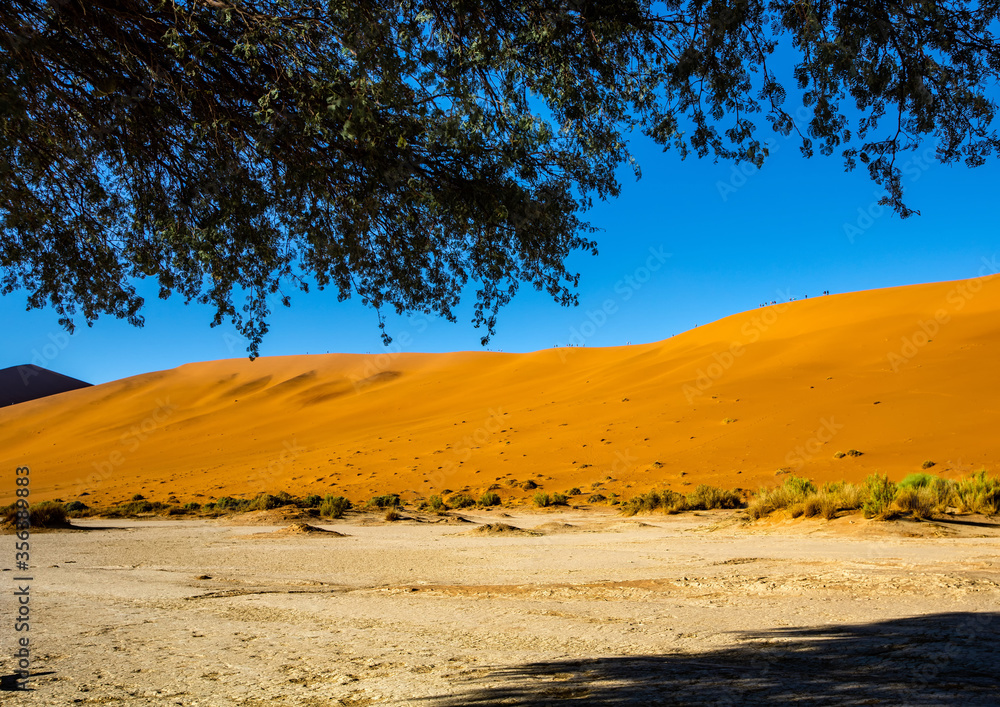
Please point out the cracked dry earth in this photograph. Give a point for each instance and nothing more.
(591, 608)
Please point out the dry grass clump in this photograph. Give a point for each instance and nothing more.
(47, 514)
(919, 495)
(978, 493)
(703, 498)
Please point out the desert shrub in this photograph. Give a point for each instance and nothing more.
(192, 506)
(978, 493)
(575, 491)
(854, 453)
(839, 455)
(137, 507)
(392, 514)
(460, 500)
(706, 498)
(828, 508)
(880, 495)
(917, 481)
(47, 514)
(389, 500)
(313, 500)
(559, 499)
(596, 498)
(228, 503)
(799, 485)
(494, 487)
(927, 465)
(138, 497)
(264, 502)
(666, 500)
(797, 510)
(489, 499)
(76, 507)
(436, 503)
(917, 501)
(789, 495)
(334, 506)
(812, 506)
(541, 499)
(528, 485)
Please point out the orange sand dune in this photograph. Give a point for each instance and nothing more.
(904, 375)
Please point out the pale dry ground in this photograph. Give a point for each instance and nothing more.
(689, 609)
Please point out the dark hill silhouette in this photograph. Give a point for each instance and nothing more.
(19, 384)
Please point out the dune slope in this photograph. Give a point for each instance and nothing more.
(904, 375)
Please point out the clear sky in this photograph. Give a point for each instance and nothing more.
(691, 242)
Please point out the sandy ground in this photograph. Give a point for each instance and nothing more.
(590, 608)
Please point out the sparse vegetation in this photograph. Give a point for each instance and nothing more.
(47, 514)
(334, 506)
(541, 500)
(596, 498)
(706, 498)
(461, 500)
(392, 514)
(559, 499)
(927, 465)
(880, 492)
(839, 455)
(389, 500)
(575, 491)
(528, 485)
(854, 453)
(436, 503)
(489, 499)
(666, 501)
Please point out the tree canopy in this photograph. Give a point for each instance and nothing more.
(398, 150)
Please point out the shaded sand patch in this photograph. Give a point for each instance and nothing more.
(499, 529)
(303, 529)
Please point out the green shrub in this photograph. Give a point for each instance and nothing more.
(313, 500)
(228, 503)
(528, 485)
(265, 502)
(46, 514)
(705, 498)
(854, 453)
(460, 500)
(334, 506)
(390, 500)
(192, 506)
(541, 499)
(596, 498)
(917, 481)
(436, 503)
(559, 499)
(665, 500)
(917, 501)
(880, 494)
(575, 491)
(489, 499)
(76, 507)
(790, 494)
(138, 497)
(978, 493)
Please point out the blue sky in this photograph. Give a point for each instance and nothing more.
(733, 242)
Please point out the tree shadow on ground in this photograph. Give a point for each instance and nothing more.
(941, 659)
